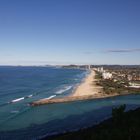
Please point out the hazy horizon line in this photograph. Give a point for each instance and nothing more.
(67, 64)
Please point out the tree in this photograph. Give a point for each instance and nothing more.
(118, 113)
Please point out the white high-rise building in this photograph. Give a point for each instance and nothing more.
(107, 75)
(89, 67)
(102, 69)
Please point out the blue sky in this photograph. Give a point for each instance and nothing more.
(69, 31)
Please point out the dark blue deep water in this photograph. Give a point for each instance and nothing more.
(21, 85)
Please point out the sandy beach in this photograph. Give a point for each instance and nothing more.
(88, 87)
(85, 91)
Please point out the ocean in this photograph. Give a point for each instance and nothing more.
(21, 85)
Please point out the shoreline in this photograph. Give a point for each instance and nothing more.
(78, 84)
(88, 86)
(86, 90)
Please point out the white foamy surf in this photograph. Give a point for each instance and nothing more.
(29, 96)
(64, 89)
(17, 100)
(49, 97)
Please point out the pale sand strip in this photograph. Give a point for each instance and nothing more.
(88, 87)
(85, 91)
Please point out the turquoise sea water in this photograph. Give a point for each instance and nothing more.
(21, 85)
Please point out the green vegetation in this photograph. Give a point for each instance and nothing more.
(122, 126)
(98, 75)
(110, 86)
(118, 113)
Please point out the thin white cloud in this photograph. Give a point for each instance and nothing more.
(123, 50)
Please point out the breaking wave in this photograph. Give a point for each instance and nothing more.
(17, 100)
(52, 96)
(64, 89)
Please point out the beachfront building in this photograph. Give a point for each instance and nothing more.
(89, 67)
(100, 69)
(107, 75)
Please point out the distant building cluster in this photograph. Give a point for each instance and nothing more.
(87, 67)
(130, 76)
(100, 69)
(105, 74)
(133, 77)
